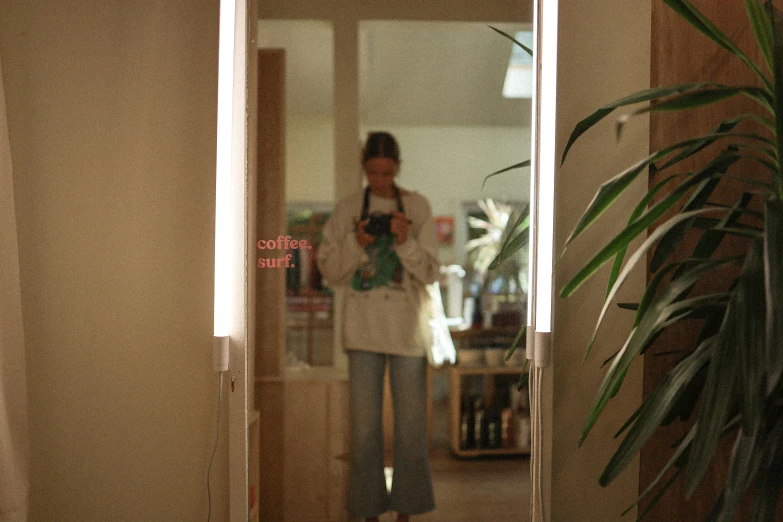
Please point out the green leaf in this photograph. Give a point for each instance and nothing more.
(708, 96)
(764, 162)
(515, 343)
(637, 97)
(724, 127)
(512, 244)
(660, 494)
(610, 190)
(660, 311)
(722, 378)
(688, 400)
(703, 24)
(773, 291)
(523, 164)
(762, 29)
(673, 239)
(525, 377)
(523, 46)
(777, 60)
(681, 450)
(652, 288)
(643, 223)
(751, 336)
(770, 481)
(710, 240)
(628, 423)
(640, 208)
(522, 223)
(655, 410)
(745, 460)
(623, 276)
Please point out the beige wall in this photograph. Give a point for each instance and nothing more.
(111, 116)
(111, 109)
(447, 163)
(604, 50)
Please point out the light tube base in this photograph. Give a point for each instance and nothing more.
(543, 351)
(220, 353)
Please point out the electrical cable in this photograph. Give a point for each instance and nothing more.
(539, 441)
(214, 447)
(536, 443)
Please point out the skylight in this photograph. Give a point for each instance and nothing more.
(519, 75)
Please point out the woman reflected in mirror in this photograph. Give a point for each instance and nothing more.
(380, 245)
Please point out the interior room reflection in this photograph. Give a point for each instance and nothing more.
(457, 98)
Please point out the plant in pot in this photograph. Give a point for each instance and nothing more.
(729, 383)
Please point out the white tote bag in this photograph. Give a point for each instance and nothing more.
(441, 346)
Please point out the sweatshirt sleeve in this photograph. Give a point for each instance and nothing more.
(419, 253)
(339, 255)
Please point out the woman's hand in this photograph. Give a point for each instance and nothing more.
(362, 237)
(399, 227)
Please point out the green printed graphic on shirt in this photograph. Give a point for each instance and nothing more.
(383, 267)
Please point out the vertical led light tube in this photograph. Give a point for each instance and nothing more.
(223, 170)
(547, 163)
(533, 228)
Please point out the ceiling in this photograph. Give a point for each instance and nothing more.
(411, 73)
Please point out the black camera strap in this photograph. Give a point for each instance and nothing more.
(366, 204)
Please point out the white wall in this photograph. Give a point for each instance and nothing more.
(111, 112)
(604, 54)
(309, 160)
(447, 164)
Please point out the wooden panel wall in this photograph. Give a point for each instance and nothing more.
(270, 217)
(681, 54)
(270, 283)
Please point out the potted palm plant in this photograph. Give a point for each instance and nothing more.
(729, 383)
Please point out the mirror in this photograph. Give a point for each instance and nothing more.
(438, 87)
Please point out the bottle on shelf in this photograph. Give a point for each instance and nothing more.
(467, 423)
(507, 428)
(523, 432)
(477, 320)
(479, 423)
(493, 427)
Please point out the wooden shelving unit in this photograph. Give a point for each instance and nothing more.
(457, 375)
(307, 313)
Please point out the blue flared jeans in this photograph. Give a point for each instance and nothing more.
(411, 491)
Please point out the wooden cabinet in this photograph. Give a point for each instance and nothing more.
(310, 443)
(486, 418)
(487, 414)
(309, 304)
(310, 329)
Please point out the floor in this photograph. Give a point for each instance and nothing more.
(477, 490)
(472, 490)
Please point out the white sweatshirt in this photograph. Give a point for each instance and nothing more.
(386, 319)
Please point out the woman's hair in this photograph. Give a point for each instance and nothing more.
(380, 145)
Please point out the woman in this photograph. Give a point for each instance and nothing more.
(380, 243)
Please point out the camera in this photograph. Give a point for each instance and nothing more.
(379, 225)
